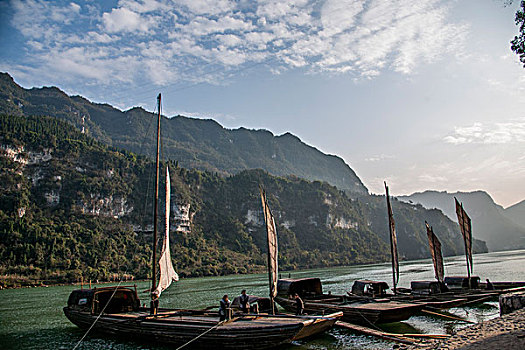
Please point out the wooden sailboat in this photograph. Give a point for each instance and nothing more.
(319, 324)
(117, 311)
(364, 311)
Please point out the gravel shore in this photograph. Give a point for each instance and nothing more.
(506, 333)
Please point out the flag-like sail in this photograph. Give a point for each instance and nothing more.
(393, 241)
(272, 244)
(466, 230)
(167, 272)
(435, 251)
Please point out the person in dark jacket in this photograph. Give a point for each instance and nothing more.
(224, 306)
(299, 305)
(243, 301)
(490, 286)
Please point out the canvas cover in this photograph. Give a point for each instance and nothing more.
(466, 230)
(435, 252)
(167, 272)
(272, 244)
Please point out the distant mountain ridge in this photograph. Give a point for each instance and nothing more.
(195, 143)
(516, 213)
(502, 229)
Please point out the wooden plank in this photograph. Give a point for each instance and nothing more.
(446, 316)
(374, 332)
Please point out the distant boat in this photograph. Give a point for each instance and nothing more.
(117, 310)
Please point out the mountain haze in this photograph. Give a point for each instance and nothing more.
(516, 213)
(195, 143)
(490, 222)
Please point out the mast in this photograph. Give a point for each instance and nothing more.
(155, 213)
(393, 242)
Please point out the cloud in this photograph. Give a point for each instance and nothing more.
(124, 20)
(197, 38)
(496, 133)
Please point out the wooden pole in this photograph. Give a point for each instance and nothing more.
(155, 213)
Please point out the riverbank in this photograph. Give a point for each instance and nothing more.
(506, 332)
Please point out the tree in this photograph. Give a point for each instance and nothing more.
(518, 43)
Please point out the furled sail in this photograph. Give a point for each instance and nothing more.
(272, 244)
(466, 230)
(393, 241)
(167, 272)
(435, 251)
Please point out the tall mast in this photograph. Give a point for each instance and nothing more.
(393, 242)
(155, 214)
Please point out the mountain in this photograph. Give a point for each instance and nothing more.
(194, 143)
(73, 207)
(516, 213)
(490, 222)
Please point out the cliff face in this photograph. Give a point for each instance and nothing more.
(194, 143)
(73, 207)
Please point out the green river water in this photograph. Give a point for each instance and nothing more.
(32, 318)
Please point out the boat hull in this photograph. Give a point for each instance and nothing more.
(358, 313)
(246, 333)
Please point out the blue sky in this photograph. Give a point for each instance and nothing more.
(424, 94)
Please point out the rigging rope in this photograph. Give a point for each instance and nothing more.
(100, 314)
(200, 335)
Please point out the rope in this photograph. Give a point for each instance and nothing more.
(100, 314)
(200, 335)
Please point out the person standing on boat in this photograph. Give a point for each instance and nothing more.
(243, 301)
(490, 286)
(224, 307)
(299, 304)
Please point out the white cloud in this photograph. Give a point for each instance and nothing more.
(124, 20)
(365, 37)
(496, 133)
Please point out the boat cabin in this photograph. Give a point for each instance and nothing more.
(305, 287)
(369, 288)
(427, 287)
(462, 282)
(124, 299)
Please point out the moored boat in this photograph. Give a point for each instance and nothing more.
(117, 311)
(359, 311)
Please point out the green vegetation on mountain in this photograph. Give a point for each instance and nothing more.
(72, 207)
(194, 143)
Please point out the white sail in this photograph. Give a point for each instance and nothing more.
(167, 272)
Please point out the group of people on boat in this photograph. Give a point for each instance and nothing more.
(225, 305)
(244, 305)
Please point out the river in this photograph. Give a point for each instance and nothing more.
(32, 318)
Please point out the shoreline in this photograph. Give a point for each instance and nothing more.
(503, 332)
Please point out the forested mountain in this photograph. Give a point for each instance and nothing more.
(72, 207)
(490, 222)
(194, 143)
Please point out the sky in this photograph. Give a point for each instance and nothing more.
(425, 94)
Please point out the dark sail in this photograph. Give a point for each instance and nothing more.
(272, 245)
(466, 230)
(393, 241)
(435, 251)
